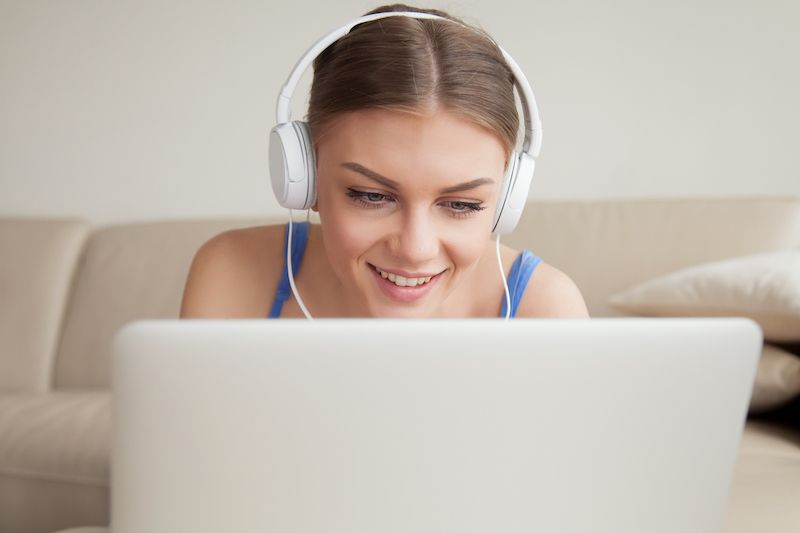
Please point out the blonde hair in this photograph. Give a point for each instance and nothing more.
(415, 65)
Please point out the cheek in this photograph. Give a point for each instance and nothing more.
(466, 240)
(346, 236)
(466, 247)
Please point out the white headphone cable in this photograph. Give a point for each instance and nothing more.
(291, 275)
(503, 275)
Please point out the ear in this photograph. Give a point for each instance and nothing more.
(315, 208)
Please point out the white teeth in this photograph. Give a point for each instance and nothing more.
(400, 281)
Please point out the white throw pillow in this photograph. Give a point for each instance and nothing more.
(764, 287)
(777, 380)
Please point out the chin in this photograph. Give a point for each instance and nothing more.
(380, 306)
(398, 311)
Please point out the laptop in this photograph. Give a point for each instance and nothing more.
(428, 426)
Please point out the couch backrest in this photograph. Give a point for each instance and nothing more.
(38, 259)
(607, 246)
(128, 272)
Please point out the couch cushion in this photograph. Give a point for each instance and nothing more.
(54, 460)
(766, 481)
(607, 246)
(38, 506)
(39, 262)
(129, 272)
(63, 436)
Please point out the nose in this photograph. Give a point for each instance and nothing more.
(416, 241)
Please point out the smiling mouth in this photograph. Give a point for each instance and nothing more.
(402, 281)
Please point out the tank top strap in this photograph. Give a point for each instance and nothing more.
(521, 272)
(299, 241)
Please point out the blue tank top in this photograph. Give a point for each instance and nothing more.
(521, 272)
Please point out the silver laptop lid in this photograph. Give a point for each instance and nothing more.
(344, 426)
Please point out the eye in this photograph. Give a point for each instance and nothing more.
(465, 206)
(374, 196)
(369, 199)
(461, 209)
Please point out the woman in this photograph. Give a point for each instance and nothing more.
(412, 123)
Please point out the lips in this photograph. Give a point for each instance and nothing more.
(403, 288)
(402, 281)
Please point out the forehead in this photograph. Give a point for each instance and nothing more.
(438, 147)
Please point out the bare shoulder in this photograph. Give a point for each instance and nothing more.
(234, 274)
(551, 293)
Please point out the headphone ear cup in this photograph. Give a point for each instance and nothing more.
(513, 193)
(292, 165)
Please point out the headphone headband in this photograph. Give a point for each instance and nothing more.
(532, 142)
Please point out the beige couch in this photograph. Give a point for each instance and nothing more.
(66, 288)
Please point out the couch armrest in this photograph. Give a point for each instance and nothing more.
(40, 260)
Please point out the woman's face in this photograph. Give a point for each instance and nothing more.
(406, 200)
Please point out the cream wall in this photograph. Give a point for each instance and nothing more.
(129, 110)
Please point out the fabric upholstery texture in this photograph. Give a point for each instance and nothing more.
(62, 436)
(129, 272)
(84, 530)
(31, 506)
(766, 480)
(39, 259)
(54, 460)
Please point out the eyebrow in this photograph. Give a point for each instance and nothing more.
(383, 180)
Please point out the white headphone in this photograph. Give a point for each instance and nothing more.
(292, 163)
